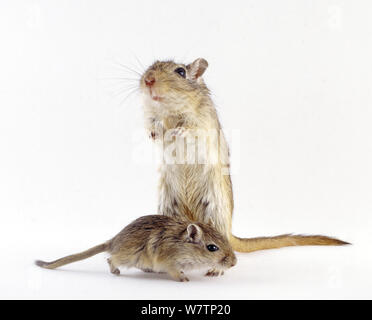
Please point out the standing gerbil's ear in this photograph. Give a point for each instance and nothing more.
(197, 68)
(194, 233)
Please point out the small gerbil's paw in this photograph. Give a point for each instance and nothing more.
(116, 272)
(178, 275)
(214, 273)
(183, 278)
(113, 269)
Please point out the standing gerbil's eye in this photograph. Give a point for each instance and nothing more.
(212, 247)
(181, 72)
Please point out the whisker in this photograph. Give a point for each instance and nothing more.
(123, 83)
(140, 64)
(120, 78)
(124, 90)
(129, 69)
(128, 95)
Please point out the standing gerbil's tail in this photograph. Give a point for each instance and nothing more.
(285, 240)
(74, 257)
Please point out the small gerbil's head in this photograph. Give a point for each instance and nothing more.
(167, 83)
(208, 247)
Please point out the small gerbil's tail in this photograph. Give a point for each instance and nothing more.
(285, 240)
(74, 257)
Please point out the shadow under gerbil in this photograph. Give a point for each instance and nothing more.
(139, 275)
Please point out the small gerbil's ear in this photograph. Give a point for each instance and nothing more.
(194, 233)
(197, 68)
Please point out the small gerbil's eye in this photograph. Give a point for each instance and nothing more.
(212, 247)
(181, 72)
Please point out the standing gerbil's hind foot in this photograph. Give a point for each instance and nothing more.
(113, 269)
(214, 273)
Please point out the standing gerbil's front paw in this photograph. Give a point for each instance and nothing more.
(178, 132)
(153, 135)
(214, 273)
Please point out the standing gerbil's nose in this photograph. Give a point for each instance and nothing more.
(149, 80)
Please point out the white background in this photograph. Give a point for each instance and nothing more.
(294, 78)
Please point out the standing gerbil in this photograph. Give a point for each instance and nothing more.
(161, 244)
(178, 103)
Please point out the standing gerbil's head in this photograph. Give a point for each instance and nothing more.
(204, 246)
(170, 84)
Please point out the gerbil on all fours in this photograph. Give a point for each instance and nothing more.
(157, 243)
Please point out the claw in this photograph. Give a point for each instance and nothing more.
(116, 272)
(214, 273)
(178, 132)
(184, 279)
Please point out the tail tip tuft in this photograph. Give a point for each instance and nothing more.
(343, 243)
(324, 240)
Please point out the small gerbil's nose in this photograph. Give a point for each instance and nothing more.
(149, 80)
(233, 262)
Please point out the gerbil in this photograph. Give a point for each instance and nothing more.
(177, 103)
(161, 244)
